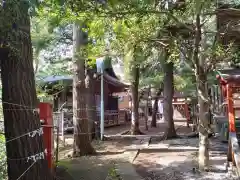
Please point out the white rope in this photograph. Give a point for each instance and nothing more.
(26, 171)
(33, 133)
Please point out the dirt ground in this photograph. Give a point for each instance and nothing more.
(163, 160)
(179, 161)
(180, 126)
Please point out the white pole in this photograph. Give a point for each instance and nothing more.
(62, 127)
(102, 105)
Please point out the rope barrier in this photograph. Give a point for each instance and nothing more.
(26, 171)
(33, 133)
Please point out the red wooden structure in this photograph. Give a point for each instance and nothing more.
(182, 106)
(46, 118)
(230, 86)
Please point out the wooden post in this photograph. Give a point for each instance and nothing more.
(187, 114)
(214, 98)
(231, 116)
(218, 100)
(47, 118)
(231, 119)
(224, 99)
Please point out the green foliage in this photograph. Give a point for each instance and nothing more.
(3, 159)
(113, 175)
(137, 31)
(132, 39)
(234, 56)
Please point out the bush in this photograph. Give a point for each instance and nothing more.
(3, 159)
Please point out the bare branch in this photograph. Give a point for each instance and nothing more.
(160, 41)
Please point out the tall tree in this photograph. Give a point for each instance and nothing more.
(83, 93)
(133, 72)
(168, 91)
(82, 144)
(19, 94)
(203, 52)
(135, 101)
(155, 107)
(91, 104)
(129, 35)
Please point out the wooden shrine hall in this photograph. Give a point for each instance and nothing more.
(61, 88)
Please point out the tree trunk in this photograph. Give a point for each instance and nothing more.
(91, 104)
(135, 102)
(201, 80)
(203, 125)
(155, 108)
(154, 112)
(82, 144)
(144, 109)
(146, 114)
(19, 101)
(167, 102)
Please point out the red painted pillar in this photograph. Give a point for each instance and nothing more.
(47, 123)
(230, 104)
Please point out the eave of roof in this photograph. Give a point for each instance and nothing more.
(68, 79)
(228, 75)
(228, 11)
(115, 81)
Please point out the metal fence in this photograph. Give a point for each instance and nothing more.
(58, 121)
(63, 121)
(60, 126)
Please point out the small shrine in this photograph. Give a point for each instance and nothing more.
(60, 87)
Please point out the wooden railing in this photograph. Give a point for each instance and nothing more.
(113, 118)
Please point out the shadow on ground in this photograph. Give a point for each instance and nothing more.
(85, 168)
(179, 161)
(156, 162)
(180, 171)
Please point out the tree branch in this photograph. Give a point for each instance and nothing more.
(141, 11)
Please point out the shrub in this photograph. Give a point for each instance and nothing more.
(3, 159)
